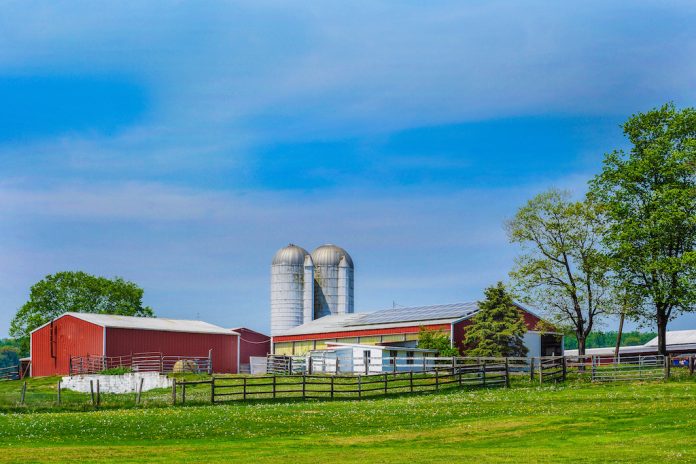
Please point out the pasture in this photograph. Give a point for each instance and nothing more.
(573, 422)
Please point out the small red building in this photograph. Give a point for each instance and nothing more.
(251, 343)
(111, 336)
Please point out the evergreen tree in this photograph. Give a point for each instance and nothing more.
(497, 328)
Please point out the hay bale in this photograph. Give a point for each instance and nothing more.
(185, 365)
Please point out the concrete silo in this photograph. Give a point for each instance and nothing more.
(333, 281)
(291, 281)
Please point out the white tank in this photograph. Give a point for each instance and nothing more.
(289, 287)
(333, 281)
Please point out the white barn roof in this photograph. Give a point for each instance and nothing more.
(149, 323)
(676, 340)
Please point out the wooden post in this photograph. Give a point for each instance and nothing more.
(173, 391)
(668, 366)
(23, 392)
(565, 368)
(98, 397)
(140, 391)
(304, 383)
(411, 380)
(212, 390)
(531, 369)
(507, 373)
(91, 391)
(244, 388)
(394, 364)
(541, 371)
(59, 393)
(332, 387)
(183, 393)
(274, 387)
(386, 380)
(437, 380)
(359, 387)
(210, 362)
(483, 372)
(691, 364)
(309, 368)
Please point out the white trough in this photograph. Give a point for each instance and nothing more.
(124, 383)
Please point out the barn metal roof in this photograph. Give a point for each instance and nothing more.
(150, 323)
(677, 340)
(387, 318)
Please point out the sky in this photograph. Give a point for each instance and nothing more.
(180, 144)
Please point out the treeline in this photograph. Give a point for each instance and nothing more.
(608, 339)
(9, 353)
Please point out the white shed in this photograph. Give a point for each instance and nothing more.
(353, 358)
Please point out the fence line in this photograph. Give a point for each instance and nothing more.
(141, 362)
(9, 373)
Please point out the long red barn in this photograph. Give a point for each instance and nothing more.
(86, 334)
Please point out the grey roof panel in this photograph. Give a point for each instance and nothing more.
(419, 313)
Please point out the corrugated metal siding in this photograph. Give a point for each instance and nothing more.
(120, 342)
(252, 344)
(73, 337)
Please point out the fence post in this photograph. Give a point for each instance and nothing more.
(244, 389)
(91, 391)
(304, 383)
(386, 380)
(23, 392)
(59, 392)
(309, 367)
(332, 387)
(507, 373)
(210, 362)
(437, 380)
(183, 393)
(411, 380)
(98, 396)
(483, 372)
(140, 391)
(668, 365)
(212, 390)
(691, 364)
(359, 386)
(394, 364)
(565, 368)
(531, 369)
(274, 386)
(541, 371)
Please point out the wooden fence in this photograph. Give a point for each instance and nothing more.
(141, 362)
(9, 373)
(306, 386)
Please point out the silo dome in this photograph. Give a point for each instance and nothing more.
(330, 255)
(291, 255)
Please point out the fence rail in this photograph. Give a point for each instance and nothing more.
(315, 386)
(142, 362)
(9, 373)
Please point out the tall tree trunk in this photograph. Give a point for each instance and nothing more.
(581, 344)
(618, 338)
(661, 332)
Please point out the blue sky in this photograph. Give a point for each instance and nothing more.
(179, 145)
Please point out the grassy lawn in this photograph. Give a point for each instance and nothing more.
(575, 422)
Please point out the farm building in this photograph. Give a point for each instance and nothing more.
(251, 344)
(399, 327)
(112, 339)
(354, 358)
(678, 342)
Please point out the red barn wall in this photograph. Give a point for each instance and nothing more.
(530, 320)
(72, 337)
(120, 342)
(252, 344)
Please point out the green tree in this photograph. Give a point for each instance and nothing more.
(649, 196)
(563, 268)
(497, 329)
(75, 292)
(435, 340)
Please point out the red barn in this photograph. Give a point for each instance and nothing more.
(400, 327)
(111, 336)
(251, 343)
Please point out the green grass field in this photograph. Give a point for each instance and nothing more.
(574, 422)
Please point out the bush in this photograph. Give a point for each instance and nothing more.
(117, 371)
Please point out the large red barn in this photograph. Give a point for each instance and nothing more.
(251, 343)
(86, 334)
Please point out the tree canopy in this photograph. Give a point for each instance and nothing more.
(435, 340)
(76, 292)
(563, 267)
(649, 197)
(497, 329)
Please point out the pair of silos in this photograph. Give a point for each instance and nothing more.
(308, 286)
